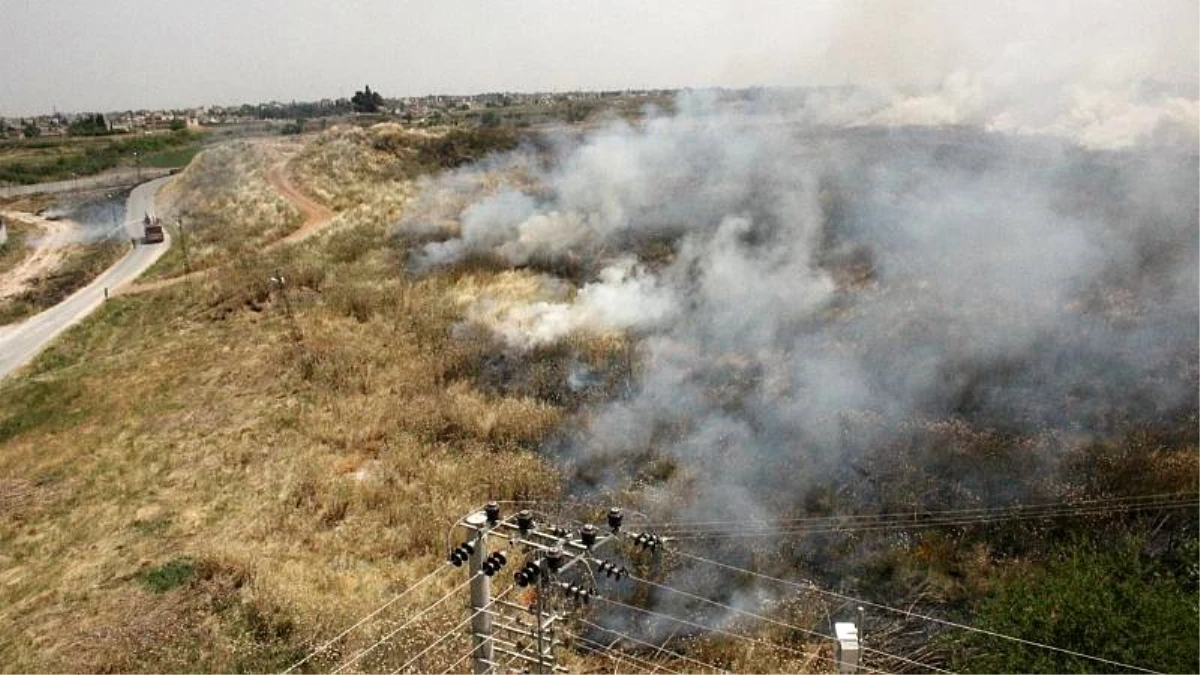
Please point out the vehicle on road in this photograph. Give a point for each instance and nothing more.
(153, 230)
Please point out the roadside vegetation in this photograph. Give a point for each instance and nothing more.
(81, 264)
(16, 248)
(38, 160)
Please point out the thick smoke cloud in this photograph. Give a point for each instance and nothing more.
(831, 288)
(1106, 74)
(825, 289)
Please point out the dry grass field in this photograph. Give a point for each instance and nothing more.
(227, 205)
(194, 482)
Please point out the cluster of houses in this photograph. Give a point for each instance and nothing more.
(410, 107)
(59, 124)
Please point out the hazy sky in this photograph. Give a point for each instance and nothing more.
(81, 55)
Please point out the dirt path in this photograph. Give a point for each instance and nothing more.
(316, 217)
(47, 254)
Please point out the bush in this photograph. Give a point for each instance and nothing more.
(1107, 599)
(166, 577)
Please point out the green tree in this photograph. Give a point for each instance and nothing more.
(31, 130)
(89, 125)
(294, 128)
(366, 101)
(490, 119)
(178, 124)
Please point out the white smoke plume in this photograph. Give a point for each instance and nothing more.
(623, 297)
(822, 286)
(1105, 74)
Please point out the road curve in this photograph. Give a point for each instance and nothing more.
(21, 342)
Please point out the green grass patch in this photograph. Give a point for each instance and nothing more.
(170, 159)
(168, 576)
(28, 164)
(99, 335)
(40, 405)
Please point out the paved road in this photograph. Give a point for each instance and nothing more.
(23, 341)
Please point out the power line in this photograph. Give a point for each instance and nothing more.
(928, 512)
(618, 659)
(453, 630)
(719, 631)
(919, 517)
(783, 624)
(438, 641)
(661, 648)
(917, 524)
(916, 615)
(404, 625)
(366, 618)
(466, 655)
(611, 653)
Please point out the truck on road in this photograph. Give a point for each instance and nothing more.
(153, 230)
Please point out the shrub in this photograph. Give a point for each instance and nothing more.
(165, 577)
(1111, 600)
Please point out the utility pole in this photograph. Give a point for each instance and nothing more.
(542, 588)
(557, 570)
(112, 210)
(187, 266)
(281, 281)
(481, 596)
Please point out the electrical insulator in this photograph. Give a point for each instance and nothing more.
(462, 553)
(612, 570)
(587, 535)
(646, 541)
(528, 574)
(615, 516)
(555, 558)
(494, 562)
(524, 520)
(559, 531)
(577, 593)
(492, 511)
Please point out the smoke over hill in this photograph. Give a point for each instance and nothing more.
(806, 294)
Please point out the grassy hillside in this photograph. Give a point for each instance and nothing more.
(195, 482)
(221, 474)
(227, 206)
